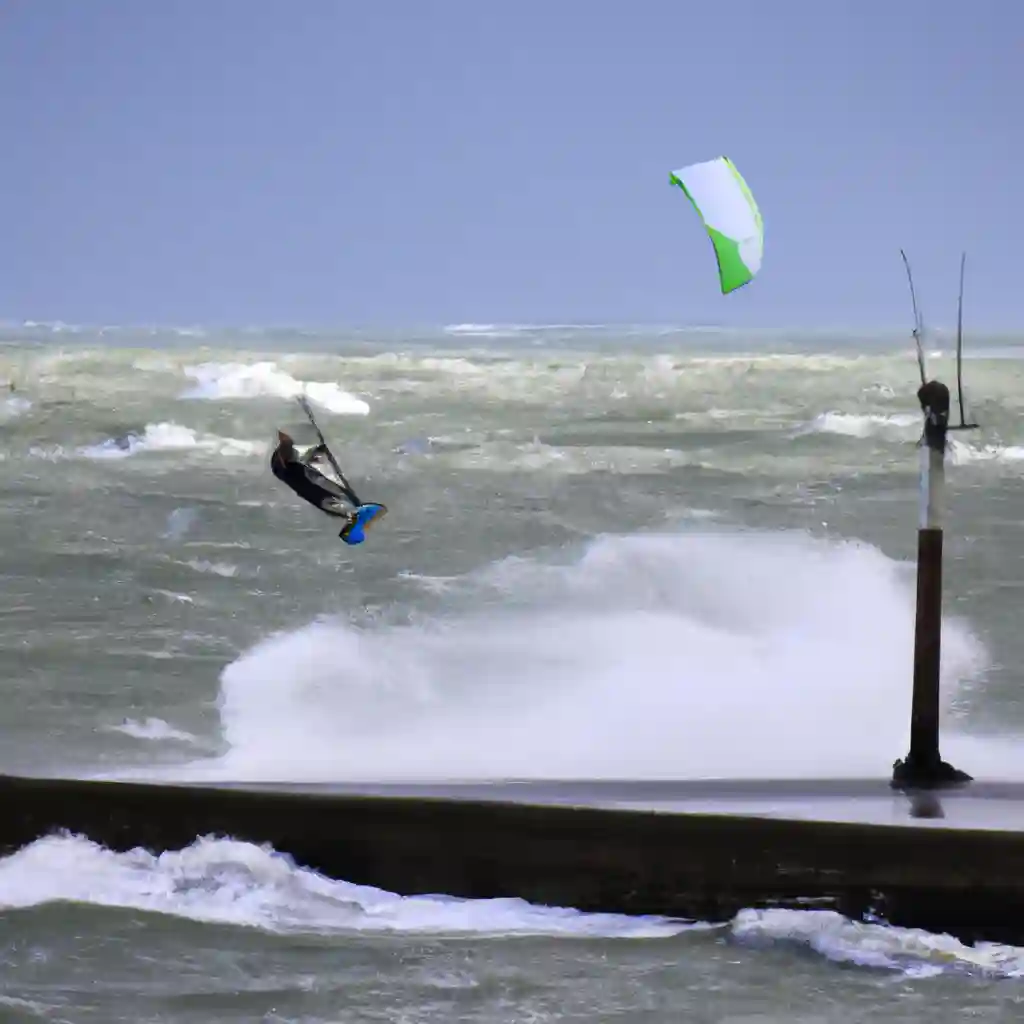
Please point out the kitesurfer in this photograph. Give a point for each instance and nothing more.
(298, 473)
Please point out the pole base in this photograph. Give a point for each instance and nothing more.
(926, 773)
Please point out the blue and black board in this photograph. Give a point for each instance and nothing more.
(365, 516)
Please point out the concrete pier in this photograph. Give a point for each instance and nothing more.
(704, 850)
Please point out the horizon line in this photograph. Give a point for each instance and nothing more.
(476, 328)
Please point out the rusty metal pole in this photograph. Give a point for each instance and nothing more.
(923, 766)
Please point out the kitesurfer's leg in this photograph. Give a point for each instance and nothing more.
(341, 509)
(334, 506)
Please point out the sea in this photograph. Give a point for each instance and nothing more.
(611, 552)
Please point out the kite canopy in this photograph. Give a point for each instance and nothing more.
(730, 214)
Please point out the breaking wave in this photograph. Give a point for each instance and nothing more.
(710, 654)
(217, 381)
(228, 882)
(165, 437)
(897, 426)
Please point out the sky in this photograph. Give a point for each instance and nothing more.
(428, 162)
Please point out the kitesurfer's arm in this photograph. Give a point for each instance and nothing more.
(334, 488)
(342, 486)
(313, 454)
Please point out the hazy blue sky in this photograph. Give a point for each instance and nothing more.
(437, 161)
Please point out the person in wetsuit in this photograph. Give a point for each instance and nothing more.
(310, 484)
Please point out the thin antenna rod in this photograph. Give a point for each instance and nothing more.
(963, 424)
(918, 320)
(960, 342)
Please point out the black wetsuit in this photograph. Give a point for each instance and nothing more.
(311, 485)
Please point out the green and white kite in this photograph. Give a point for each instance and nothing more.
(723, 200)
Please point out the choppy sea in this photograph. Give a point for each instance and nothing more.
(610, 553)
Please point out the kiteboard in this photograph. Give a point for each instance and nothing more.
(366, 513)
(365, 516)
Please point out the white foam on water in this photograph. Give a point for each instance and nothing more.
(180, 521)
(172, 437)
(511, 330)
(13, 407)
(174, 597)
(961, 453)
(228, 882)
(226, 569)
(218, 381)
(898, 426)
(910, 950)
(536, 456)
(706, 654)
(907, 427)
(152, 729)
(28, 1006)
(481, 330)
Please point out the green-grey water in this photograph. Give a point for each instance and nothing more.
(609, 553)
